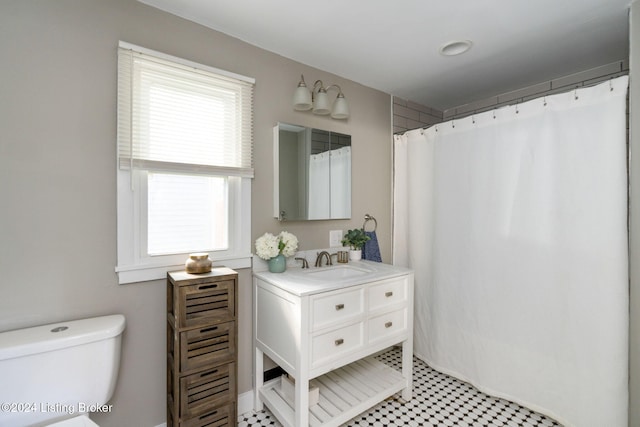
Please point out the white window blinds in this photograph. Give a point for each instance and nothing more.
(181, 117)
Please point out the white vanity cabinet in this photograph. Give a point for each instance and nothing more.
(323, 333)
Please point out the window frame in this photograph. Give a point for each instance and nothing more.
(135, 266)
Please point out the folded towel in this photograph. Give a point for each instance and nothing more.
(371, 250)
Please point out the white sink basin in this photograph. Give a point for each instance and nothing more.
(336, 273)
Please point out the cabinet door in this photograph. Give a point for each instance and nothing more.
(337, 343)
(206, 303)
(205, 390)
(336, 307)
(387, 293)
(207, 346)
(387, 325)
(223, 416)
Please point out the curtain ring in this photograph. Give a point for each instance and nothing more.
(494, 113)
(517, 110)
(575, 93)
(473, 119)
(611, 84)
(453, 124)
(545, 102)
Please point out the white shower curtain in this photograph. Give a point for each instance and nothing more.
(330, 184)
(341, 183)
(319, 186)
(514, 221)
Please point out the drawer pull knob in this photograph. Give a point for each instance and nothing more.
(207, 286)
(339, 341)
(388, 294)
(339, 306)
(388, 324)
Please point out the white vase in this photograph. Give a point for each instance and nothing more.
(355, 254)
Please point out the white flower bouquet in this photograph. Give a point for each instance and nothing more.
(269, 246)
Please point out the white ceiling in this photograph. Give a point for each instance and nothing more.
(394, 45)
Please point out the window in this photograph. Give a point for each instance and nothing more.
(184, 164)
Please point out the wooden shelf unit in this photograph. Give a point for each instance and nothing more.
(344, 393)
(202, 349)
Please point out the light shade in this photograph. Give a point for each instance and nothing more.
(302, 97)
(340, 108)
(321, 103)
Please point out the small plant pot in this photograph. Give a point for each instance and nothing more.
(355, 254)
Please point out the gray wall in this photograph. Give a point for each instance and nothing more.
(634, 195)
(409, 115)
(58, 173)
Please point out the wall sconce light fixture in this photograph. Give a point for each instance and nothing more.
(317, 98)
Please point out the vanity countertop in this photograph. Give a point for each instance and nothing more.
(308, 281)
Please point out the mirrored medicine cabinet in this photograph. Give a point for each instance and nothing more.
(312, 173)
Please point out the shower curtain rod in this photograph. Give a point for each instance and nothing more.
(517, 101)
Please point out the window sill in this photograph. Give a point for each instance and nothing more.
(148, 272)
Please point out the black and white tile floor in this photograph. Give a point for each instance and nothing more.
(438, 400)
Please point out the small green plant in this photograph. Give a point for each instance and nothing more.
(355, 239)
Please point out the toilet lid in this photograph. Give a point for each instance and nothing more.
(81, 421)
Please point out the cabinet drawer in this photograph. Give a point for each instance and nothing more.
(387, 292)
(336, 307)
(206, 303)
(223, 416)
(203, 391)
(387, 324)
(207, 346)
(332, 345)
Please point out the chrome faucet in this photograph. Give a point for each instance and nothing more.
(323, 254)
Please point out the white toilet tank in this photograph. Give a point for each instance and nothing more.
(56, 371)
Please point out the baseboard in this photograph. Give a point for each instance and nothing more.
(162, 425)
(245, 402)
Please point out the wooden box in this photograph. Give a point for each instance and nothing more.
(222, 416)
(207, 346)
